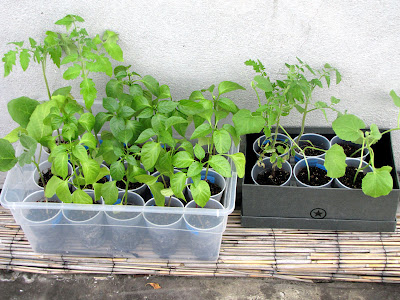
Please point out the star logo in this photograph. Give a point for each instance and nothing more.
(318, 213)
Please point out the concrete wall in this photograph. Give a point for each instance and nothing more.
(190, 45)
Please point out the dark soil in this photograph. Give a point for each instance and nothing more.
(214, 188)
(46, 176)
(278, 177)
(131, 185)
(348, 178)
(90, 186)
(350, 149)
(308, 151)
(318, 176)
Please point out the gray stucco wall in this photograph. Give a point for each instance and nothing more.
(190, 45)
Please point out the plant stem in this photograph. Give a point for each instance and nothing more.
(44, 76)
(360, 165)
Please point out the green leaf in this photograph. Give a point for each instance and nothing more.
(232, 131)
(201, 131)
(90, 170)
(396, 99)
(228, 104)
(228, 86)
(117, 170)
(189, 107)
(89, 140)
(174, 120)
(109, 192)
(36, 128)
(104, 171)
(334, 100)
(9, 61)
(182, 159)
(87, 121)
(114, 50)
(24, 58)
(199, 152)
(51, 186)
(263, 83)
(125, 112)
(178, 181)
(220, 165)
(246, 123)
(81, 197)
(63, 193)
(375, 134)
(378, 183)
(60, 165)
(88, 91)
(166, 106)
(201, 193)
(70, 58)
(21, 109)
(79, 152)
(164, 92)
(335, 161)
(338, 77)
(194, 169)
(14, 134)
(196, 95)
(151, 84)
(146, 179)
(156, 189)
(114, 88)
(117, 125)
(149, 154)
(7, 156)
(348, 128)
(72, 72)
(222, 140)
(100, 119)
(240, 161)
(145, 135)
(110, 104)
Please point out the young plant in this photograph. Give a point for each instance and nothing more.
(206, 114)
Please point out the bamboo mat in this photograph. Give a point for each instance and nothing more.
(245, 252)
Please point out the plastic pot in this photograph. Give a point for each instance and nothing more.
(88, 226)
(338, 140)
(164, 227)
(45, 166)
(121, 223)
(204, 229)
(213, 177)
(43, 225)
(319, 141)
(257, 169)
(262, 140)
(312, 162)
(351, 162)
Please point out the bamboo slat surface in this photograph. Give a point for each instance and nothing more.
(306, 255)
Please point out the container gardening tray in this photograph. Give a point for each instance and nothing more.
(103, 236)
(319, 208)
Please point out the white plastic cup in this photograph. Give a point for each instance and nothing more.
(319, 141)
(312, 162)
(262, 139)
(352, 162)
(214, 177)
(257, 169)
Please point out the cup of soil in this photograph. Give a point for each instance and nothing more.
(216, 182)
(350, 148)
(281, 140)
(166, 181)
(264, 173)
(202, 227)
(45, 168)
(43, 225)
(312, 140)
(135, 187)
(163, 224)
(318, 177)
(88, 187)
(350, 180)
(126, 227)
(88, 225)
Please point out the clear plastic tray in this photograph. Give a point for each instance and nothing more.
(104, 234)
